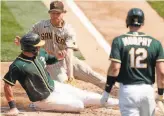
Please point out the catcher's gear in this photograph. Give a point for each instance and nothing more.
(71, 81)
(135, 17)
(30, 42)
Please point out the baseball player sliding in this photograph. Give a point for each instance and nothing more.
(59, 36)
(46, 94)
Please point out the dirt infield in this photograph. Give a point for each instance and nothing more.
(110, 21)
(109, 17)
(23, 101)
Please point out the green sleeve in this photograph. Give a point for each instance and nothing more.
(51, 59)
(115, 51)
(160, 53)
(12, 75)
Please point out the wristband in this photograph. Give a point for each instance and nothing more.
(160, 91)
(12, 104)
(109, 83)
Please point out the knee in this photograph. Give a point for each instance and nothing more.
(75, 107)
(79, 106)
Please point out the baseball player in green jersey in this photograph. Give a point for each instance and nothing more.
(134, 57)
(29, 69)
(59, 35)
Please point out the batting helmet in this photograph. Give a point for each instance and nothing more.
(30, 42)
(135, 17)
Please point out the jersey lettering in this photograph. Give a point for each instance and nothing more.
(45, 36)
(59, 40)
(140, 41)
(43, 60)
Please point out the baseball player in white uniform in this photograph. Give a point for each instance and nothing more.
(59, 36)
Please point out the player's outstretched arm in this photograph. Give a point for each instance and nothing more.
(10, 98)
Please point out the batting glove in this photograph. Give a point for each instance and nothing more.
(71, 81)
(104, 98)
(160, 98)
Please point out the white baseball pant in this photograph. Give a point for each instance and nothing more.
(82, 71)
(66, 98)
(137, 100)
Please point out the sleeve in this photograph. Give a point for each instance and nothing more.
(160, 53)
(12, 75)
(71, 38)
(115, 52)
(34, 29)
(50, 59)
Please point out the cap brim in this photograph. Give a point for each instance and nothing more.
(57, 10)
(41, 43)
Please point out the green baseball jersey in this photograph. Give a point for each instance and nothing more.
(138, 54)
(32, 75)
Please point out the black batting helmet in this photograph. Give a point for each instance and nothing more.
(30, 41)
(135, 17)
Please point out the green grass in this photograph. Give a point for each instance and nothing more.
(9, 27)
(17, 18)
(158, 6)
(9, 24)
(9, 51)
(28, 13)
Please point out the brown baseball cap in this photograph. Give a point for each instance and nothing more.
(57, 6)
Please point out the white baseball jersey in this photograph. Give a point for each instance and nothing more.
(62, 37)
(56, 38)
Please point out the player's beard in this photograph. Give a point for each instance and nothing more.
(35, 52)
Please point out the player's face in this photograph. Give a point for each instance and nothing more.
(55, 16)
(36, 52)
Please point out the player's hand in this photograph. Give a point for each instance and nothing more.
(104, 98)
(17, 40)
(61, 54)
(12, 112)
(160, 98)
